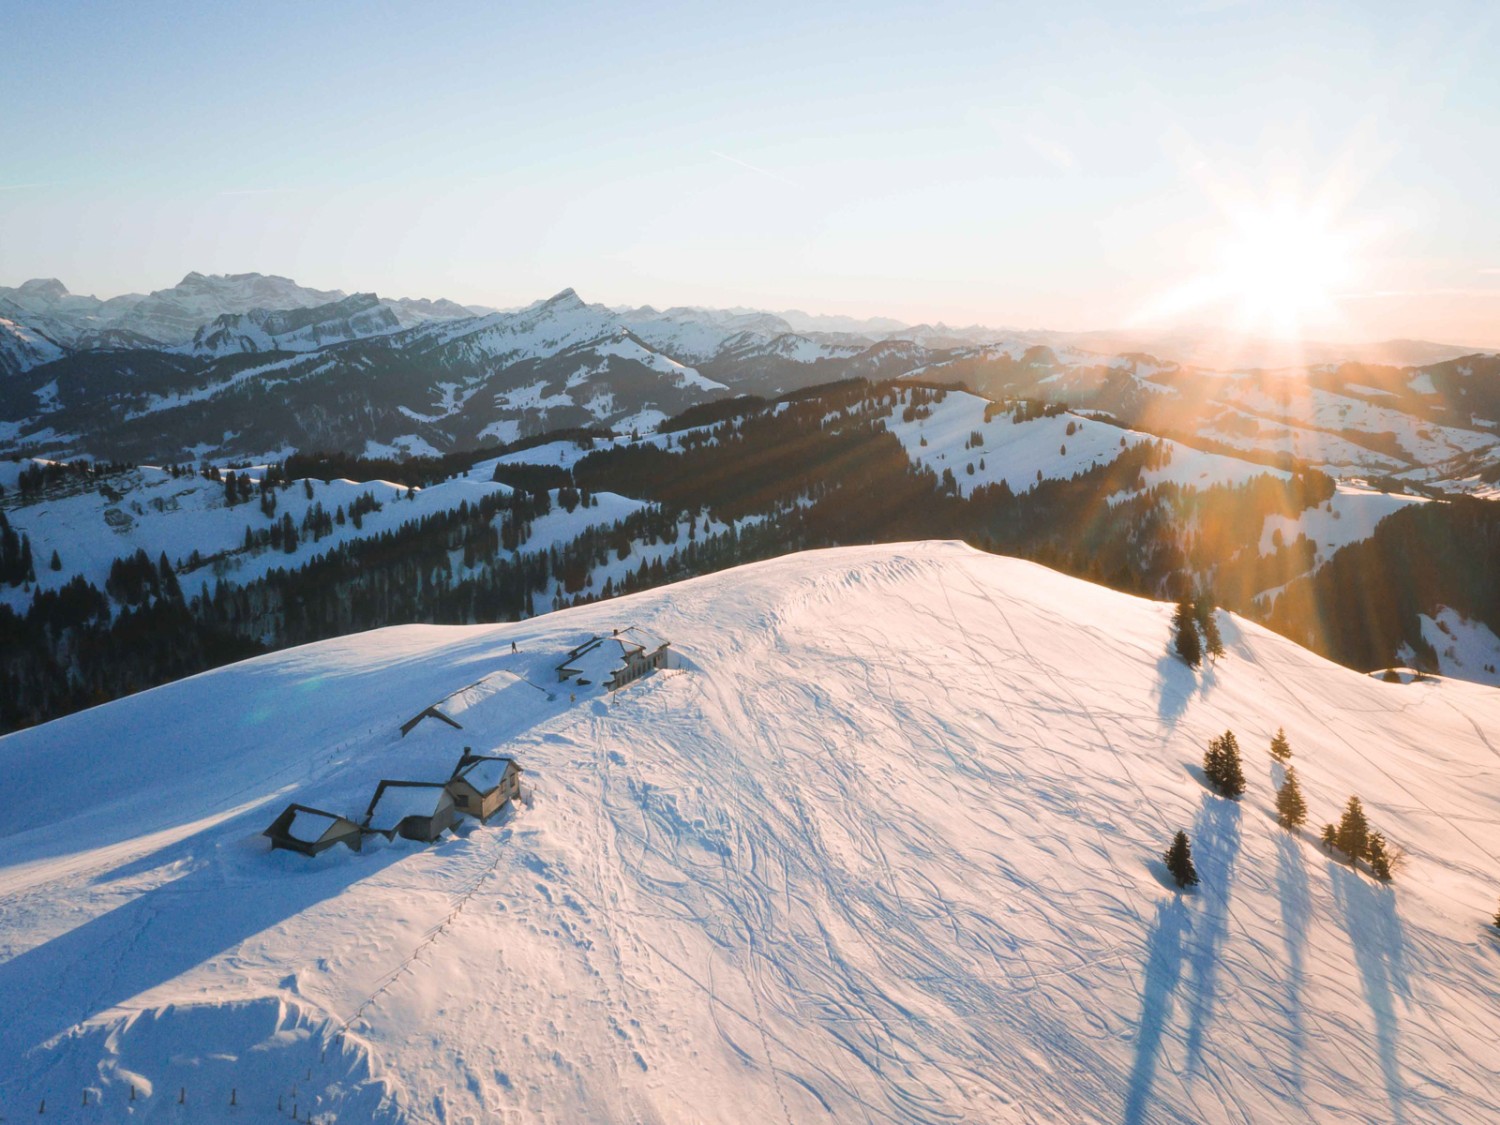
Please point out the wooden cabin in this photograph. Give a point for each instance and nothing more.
(481, 785)
(416, 810)
(301, 828)
(616, 660)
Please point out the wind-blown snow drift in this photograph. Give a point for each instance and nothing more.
(882, 847)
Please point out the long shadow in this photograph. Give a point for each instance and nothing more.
(1164, 960)
(1216, 849)
(1296, 910)
(162, 934)
(1175, 685)
(1379, 942)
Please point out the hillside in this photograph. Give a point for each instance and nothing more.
(881, 846)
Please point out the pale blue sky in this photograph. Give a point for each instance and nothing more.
(1065, 165)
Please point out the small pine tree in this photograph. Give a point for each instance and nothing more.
(1354, 831)
(1330, 836)
(1179, 861)
(1207, 618)
(1379, 857)
(56, 563)
(1281, 749)
(1497, 919)
(1188, 646)
(1221, 765)
(1291, 809)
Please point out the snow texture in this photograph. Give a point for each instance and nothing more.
(885, 849)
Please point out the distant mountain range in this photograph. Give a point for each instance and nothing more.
(249, 366)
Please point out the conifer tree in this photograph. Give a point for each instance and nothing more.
(1281, 749)
(56, 563)
(1497, 919)
(1204, 612)
(1188, 646)
(1379, 857)
(1221, 765)
(1354, 831)
(1291, 809)
(1330, 836)
(1179, 861)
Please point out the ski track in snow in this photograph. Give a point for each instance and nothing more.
(881, 847)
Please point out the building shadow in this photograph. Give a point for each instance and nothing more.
(1379, 941)
(1165, 954)
(163, 933)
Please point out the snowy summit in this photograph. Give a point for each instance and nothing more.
(881, 843)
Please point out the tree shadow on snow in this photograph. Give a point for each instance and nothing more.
(243, 890)
(1176, 684)
(1379, 941)
(1216, 849)
(1296, 910)
(1178, 940)
(1164, 959)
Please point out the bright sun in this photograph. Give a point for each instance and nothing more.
(1279, 269)
(1273, 268)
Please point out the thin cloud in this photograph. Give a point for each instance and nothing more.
(256, 191)
(753, 168)
(1054, 152)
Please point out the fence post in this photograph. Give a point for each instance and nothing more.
(233, 1096)
(182, 1095)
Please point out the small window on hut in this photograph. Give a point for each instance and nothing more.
(462, 800)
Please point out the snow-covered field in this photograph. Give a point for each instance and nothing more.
(1348, 516)
(1021, 454)
(149, 509)
(881, 846)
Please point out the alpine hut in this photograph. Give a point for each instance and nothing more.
(481, 785)
(417, 810)
(616, 660)
(301, 828)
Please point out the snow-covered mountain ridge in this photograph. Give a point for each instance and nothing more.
(367, 372)
(882, 845)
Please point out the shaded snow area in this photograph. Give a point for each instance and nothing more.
(883, 848)
(1348, 516)
(1017, 452)
(1464, 648)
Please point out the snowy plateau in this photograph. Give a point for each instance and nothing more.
(882, 844)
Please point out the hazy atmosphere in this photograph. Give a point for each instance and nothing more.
(1068, 166)
(797, 563)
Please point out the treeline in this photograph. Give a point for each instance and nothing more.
(77, 646)
(1364, 603)
(814, 469)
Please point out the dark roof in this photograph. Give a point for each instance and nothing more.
(429, 713)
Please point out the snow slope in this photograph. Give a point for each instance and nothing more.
(1021, 454)
(881, 846)
(91, 525)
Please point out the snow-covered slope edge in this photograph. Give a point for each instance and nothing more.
(882, 847)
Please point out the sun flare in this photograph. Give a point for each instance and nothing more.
(1279, 270)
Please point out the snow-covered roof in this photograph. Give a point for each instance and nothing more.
(599, 658)
(399, 800)
(310, 825)
(484, 774)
